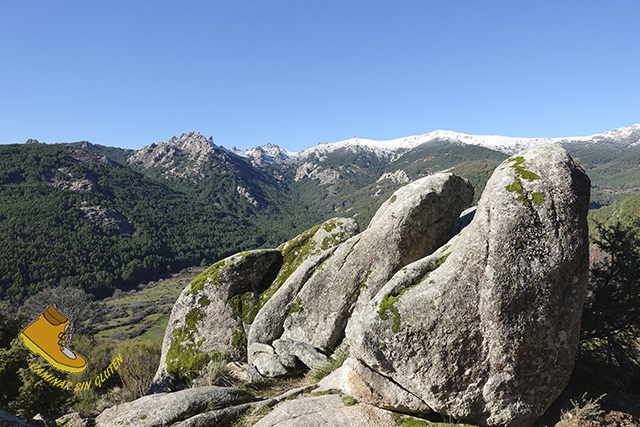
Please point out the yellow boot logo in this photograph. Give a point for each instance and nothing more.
(48, 337)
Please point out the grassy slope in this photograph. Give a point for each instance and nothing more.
(143, 314)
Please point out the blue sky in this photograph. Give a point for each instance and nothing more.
(295, 73)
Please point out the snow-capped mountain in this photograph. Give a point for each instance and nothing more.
(623, 138)
(268, 153)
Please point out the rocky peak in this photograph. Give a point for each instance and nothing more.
(197, 148)
(192, 142)
(268, 153)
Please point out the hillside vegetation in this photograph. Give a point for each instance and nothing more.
(148, 229)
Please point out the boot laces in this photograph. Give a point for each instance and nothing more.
(63, 337)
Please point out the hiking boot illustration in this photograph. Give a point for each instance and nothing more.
(48, 337)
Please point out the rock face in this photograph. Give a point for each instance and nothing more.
(234, 296)
(486, 328)
(211, 313)
(368, 386)
(414, 222)
(167, 408)
(302, 255)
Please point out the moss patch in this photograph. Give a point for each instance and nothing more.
(210, 275)
(244, 308)
(387, 303)
(330, 225)
(184, 358)
(349, 401)
(362, 285)
(294, 252)
(524, 196)
(296, 307)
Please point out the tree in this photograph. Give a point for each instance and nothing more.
(611, 315)
(77, 305)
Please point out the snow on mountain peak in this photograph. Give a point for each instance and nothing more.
(626, 136)
(268, 153)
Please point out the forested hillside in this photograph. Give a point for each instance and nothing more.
(139, 227)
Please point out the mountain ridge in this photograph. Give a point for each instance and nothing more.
(506, 144)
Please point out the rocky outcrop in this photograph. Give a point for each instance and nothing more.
(212, 312)
(367, 386)
(397, 177)
(8, 420)
(482, 326)
(107, 217)
(415, 221)
(170, 156)
(242, 294)
(301, 257)
(486, 328)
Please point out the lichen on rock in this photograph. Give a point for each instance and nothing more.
(490, 335)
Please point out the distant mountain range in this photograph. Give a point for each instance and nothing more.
(623, 138)
(101, 218)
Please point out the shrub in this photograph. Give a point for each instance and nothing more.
(217, 372)
(139, 364)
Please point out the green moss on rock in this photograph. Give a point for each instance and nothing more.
(362, 285)
(184, 358)
(349, 401)
(210, 275)
(296, 307)
(387, 303)
(524, 196)
(294, 252)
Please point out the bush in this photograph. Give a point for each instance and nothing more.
(217, 372)
(334, 363)
(612, 307)
(24, 392)
(139, 364)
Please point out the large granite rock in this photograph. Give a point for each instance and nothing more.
(301, 256)
(246, 292)
(414, 222)
(367, 386)
(165, 409)
(211, 315)
(486, 328)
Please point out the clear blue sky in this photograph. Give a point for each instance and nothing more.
(295, 73)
